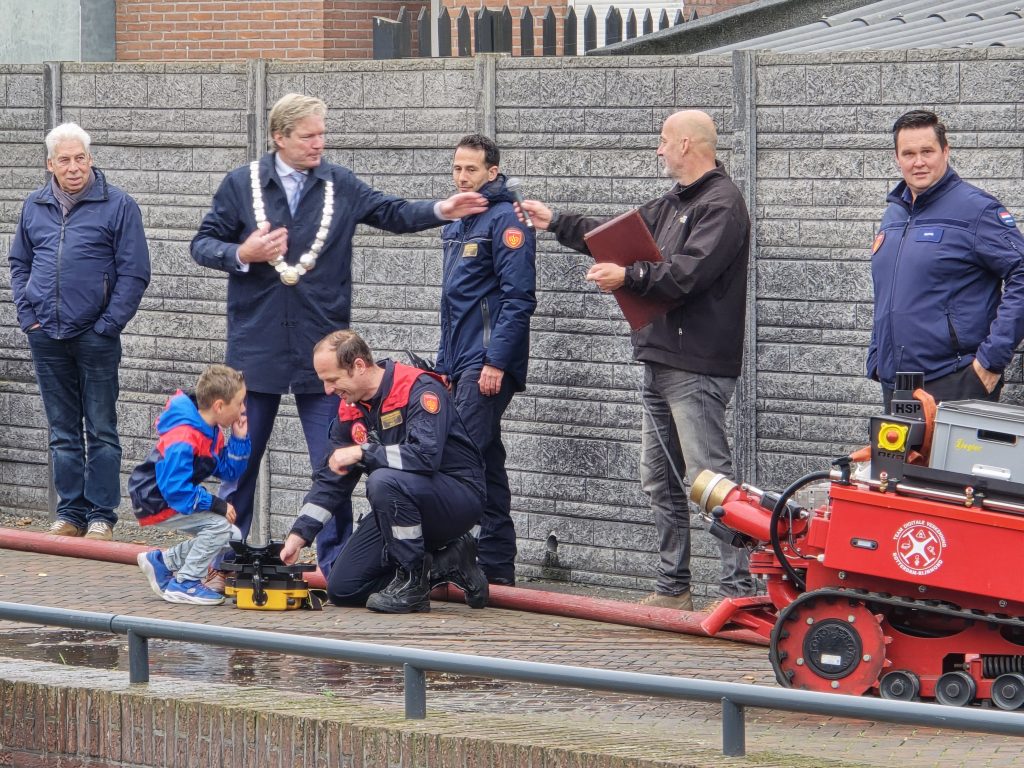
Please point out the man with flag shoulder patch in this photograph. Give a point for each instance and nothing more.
(424, 482)
(487, 299)
(948, 271)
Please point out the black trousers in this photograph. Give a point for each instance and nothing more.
(410, 514)
(481, 414)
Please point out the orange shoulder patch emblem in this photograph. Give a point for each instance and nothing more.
(431, 403)
(879, 239)
(359, 433)
(513, 237)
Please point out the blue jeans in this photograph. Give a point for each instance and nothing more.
(79, 385)
(481, 415)
(316, 412)
(190, 559)
(685, 412)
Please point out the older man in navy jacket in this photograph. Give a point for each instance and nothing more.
(948, 271)
(282, 229)
(79, 266)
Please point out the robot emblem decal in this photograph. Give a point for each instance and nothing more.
(918, 547)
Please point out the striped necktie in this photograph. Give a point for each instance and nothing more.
(296, 193)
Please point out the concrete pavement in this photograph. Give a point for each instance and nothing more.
(773, 738)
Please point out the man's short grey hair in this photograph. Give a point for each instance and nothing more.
(291, 108)
(66, 132)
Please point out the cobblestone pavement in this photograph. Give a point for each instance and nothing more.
(112, 588)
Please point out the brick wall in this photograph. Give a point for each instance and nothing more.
(171, 30)
(271, 29)
(581, 133)
(348, 25)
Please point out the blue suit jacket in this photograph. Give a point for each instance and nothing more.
(273, 327)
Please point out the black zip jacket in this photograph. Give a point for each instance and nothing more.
(703, 231)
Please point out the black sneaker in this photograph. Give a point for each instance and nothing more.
(456, 563)
(408, 592)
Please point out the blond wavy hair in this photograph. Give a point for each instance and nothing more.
(291, 108)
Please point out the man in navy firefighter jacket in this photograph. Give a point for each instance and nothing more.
(424, 483)
(948, 271)
(487, 299)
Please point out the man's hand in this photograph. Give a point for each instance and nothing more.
(231, 515)
(292, 546)
(490, 380)
(988, 378)
(240, 428)
(343, 458)
(609, 277)
(463, 204)
(539, 212)
(263, 245)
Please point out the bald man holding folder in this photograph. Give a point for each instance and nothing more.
(692, 353)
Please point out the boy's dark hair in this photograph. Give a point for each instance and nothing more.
(218, 382)
(479, 141)
(920, 118)
(348, 346)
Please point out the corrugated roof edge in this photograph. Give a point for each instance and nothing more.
(952, 24)
(728, 27)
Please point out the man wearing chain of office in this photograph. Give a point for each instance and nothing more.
(281, 228)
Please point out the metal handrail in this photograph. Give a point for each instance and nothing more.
(734, 697)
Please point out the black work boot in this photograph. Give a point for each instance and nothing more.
(408, 592)
(456, 563)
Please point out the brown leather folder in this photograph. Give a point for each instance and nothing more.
(625, 240)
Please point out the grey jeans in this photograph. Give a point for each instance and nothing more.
(190, 559)
(685, 414)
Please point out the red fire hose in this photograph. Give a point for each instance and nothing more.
(529, 600)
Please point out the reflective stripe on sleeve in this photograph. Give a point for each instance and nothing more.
(315, 511)
(394, 455)
(406, 532)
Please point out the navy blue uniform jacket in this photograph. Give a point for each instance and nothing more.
(272, 327)
(410, 425)
(948, 274)
(488, 290)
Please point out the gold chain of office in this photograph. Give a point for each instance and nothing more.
(290, 273)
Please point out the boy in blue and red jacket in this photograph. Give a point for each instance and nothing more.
(165, 489)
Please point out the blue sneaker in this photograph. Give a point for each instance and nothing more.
(157, 572)
(192, 592)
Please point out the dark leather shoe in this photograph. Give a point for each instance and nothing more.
(408, 592)
(456, 563)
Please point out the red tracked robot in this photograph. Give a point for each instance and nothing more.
(905, 582)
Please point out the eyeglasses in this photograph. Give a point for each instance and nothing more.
(63, 161)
